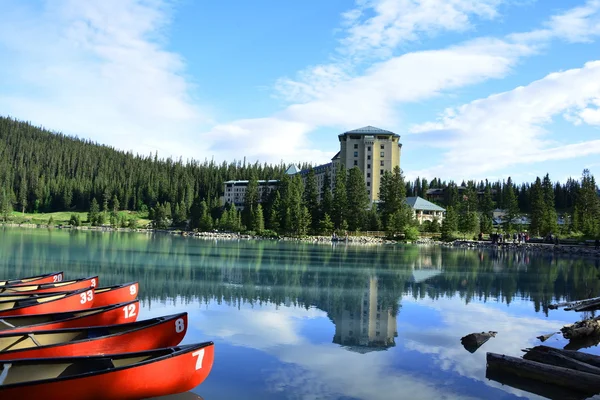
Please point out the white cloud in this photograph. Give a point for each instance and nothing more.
(98, 69)
(334, 95)
(508, 128)
(397, 21)
(393, 23)
(579, 24)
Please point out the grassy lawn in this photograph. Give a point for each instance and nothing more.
(63, 217)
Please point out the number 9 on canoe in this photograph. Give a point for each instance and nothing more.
(87, 296)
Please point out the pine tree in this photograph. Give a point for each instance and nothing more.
(326, 225)
(587, 206)
(250, 202)
(311, 198)
(538, 208)
(274, 216)
(449, 224)
(259, 221)
(392, 197)
(6, 203)
(340, 200)
(93, 213)
(326, 196)
(511, 205)
(357, 199)
(550, 217)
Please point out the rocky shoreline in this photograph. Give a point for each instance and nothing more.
(566, 249)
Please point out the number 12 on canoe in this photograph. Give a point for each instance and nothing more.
(129, 311)
(87, 296)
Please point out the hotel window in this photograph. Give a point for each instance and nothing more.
(368, 166)
(356, 146)
(368, 174)
(356, 154)
(382, 154)
(377, 334)
(368, 157)
(355, 162)
(368, 183)
(369, 148)
(381, 172)
(381, 163)
(382, 147)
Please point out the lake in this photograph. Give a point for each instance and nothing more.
(321, 321)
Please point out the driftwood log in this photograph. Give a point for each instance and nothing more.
(588, 327)
(559, 358)
(565, 377)
(571, 305)
(474, 341)
(546, 390)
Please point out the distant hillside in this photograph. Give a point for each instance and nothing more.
(43, 171)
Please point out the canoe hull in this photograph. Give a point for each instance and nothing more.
(75, 301)
(167, 333)
(51, 287)
(118, 294)
(48, 278)
(176, 374)
(117, 314)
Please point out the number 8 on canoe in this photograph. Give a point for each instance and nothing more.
(179, 325)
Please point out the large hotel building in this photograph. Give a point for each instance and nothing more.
(374, 151)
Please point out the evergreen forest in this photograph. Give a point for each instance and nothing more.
(45, 172)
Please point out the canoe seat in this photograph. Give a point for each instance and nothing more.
(26, 302)
(97, 332)
(86, 366)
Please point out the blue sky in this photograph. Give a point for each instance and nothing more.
(476, 88)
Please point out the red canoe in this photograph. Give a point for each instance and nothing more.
(63, 286)
(98, 316)
(48, 278)
(46, 303)
(150, 334)
(106, 296)
(129, 376)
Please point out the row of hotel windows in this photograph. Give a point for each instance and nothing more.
(381, 164)
(382, 155)
(369, 147)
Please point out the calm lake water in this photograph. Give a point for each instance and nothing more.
(303, 321)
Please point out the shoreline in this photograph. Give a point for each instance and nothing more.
(564, 249)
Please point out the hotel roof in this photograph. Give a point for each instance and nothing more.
(419, 203)
(370, 130)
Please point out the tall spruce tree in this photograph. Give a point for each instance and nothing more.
(326, 196)
(550, 218)
(340, 200)
(250, 202)
(511, 206)
(392, 195)
(357, 198)
(538, 208)
(587, 206)
(311, 199)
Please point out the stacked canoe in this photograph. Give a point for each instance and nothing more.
(75, 340)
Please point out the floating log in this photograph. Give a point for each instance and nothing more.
(595, 305)
(564, 377)
(474, 341)
(543, 338)
(572, 304)
(588, 327)
(550, 356)
(584, 357)
(547, 390)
